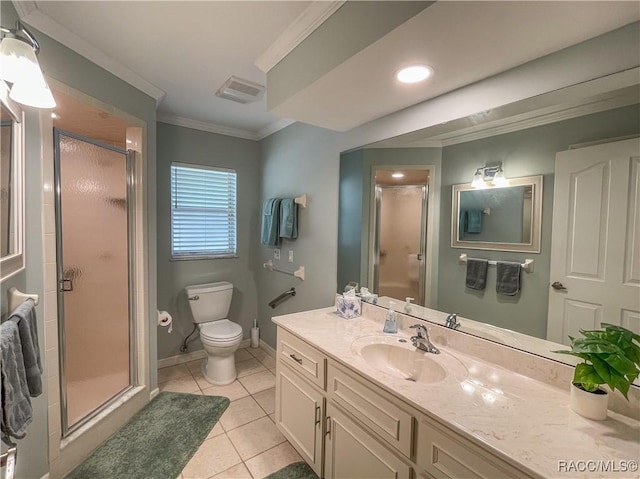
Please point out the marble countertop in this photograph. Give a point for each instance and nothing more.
(525, 422)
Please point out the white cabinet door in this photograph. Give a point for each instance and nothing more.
(595, 247)
(351, 453)
(299, 415)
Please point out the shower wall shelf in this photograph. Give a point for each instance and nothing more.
(526, 266)
(15, 298)
(298, 273)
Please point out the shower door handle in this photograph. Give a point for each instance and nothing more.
(420, 256)
(63, 287)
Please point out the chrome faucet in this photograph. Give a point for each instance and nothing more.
(452, 321)
(421, 340)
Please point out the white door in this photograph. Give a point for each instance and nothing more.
(595, 246)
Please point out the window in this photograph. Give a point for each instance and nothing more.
(203, 212)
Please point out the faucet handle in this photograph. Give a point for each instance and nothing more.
(421, 330)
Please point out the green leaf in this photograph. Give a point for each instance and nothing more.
(587, 376)
(604, 371)
(620, 363)
(594, 346)
(615, 327)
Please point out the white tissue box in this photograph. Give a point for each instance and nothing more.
(349, 307)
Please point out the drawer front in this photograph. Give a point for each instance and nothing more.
(446, 455)
(302, 358)
(368, 404)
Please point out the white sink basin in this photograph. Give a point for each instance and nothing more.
(397, 357)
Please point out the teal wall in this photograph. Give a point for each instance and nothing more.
(186, 145)
(522, 153)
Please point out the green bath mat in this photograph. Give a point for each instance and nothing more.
(157, 442)
(297, 470)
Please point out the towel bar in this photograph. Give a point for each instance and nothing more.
(301, 200)
(526, 266)
(15, 298)
(299, 273)
(8, 461)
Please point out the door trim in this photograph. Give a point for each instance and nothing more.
(430, 269)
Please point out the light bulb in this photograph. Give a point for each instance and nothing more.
(499, 179)
(478, 180)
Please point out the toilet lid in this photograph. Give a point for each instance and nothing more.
(221, 330)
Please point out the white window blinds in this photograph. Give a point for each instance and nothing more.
(203, 211)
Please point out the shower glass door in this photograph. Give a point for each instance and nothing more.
(93, 209)
(399, 244)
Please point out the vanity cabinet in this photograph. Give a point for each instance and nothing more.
(346, 427)
(300, 413)
(300, 397)
(351, 452)
(446, 455)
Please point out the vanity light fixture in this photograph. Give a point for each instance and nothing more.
(19, 66)
(495, 174)
(414, 74)
(397, 175)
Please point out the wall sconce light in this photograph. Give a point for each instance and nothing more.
(495, 174)
(19, 66)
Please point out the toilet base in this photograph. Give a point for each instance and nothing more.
(219, 370)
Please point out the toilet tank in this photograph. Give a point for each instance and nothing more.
(212, 303)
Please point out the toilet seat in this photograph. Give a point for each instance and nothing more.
(221, 331)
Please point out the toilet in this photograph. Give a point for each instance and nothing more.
(220, 337)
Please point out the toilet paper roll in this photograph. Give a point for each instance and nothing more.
(255, 337)
(165, 319)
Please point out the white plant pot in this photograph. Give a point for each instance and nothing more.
(589, 405)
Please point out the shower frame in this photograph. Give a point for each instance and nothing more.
(423, 235)
(131, 266)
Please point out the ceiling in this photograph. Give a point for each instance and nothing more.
(182, 52)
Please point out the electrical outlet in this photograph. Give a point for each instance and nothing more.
(276, 253)
(290, 256)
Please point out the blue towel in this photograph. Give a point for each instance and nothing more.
(17, 412)
(474, 221)
(507, 278)
(25, 317)
(270, 220)
(288, 218)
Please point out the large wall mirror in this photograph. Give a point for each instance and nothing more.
(524, 137)
(11, 186)
(502, 218)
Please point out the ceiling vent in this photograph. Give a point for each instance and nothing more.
(240, 90)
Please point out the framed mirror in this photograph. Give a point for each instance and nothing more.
(500, 218)
(11, 186)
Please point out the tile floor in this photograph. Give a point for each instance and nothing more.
(245, 443)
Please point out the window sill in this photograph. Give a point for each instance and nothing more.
(203, 257)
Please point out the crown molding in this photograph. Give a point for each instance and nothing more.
(29, 13)
(303, 26)
(206, 126)
(540, 118)
(271, 128)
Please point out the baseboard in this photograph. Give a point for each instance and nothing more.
(46, 476)
(153, 393)
(267, 349)
(193, 355)
(181, 358)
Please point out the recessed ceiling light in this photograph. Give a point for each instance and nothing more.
(398, 175)
(414, 74)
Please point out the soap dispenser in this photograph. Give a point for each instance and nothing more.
(390, 325)
(407, 305)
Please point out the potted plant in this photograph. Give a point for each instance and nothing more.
(612, 357)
